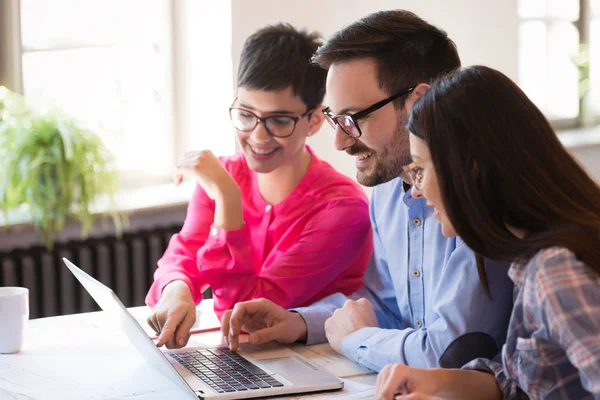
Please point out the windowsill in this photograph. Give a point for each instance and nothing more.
(127, 200)
(579, 138)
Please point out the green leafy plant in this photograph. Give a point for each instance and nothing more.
(582, 61)
(54, 165)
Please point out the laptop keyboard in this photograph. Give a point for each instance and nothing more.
(225, 371)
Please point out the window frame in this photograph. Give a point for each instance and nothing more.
(582, 24)
(11, 76)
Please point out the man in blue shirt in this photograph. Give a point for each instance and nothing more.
(422, 304)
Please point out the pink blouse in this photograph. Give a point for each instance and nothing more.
(314, 243)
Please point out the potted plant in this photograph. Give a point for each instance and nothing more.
(53, 165)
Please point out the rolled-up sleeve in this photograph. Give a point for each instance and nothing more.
(510, 390)
(467, 326)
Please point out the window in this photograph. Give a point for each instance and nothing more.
(553, 33)
(137, 68)
(595, 58)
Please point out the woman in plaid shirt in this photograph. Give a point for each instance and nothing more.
(490, 164)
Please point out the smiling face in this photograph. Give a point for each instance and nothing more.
(430, 188)
(265, 153)
(383, 147)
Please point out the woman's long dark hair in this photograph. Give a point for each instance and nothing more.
(499, 162)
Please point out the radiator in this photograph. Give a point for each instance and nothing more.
(126, 265)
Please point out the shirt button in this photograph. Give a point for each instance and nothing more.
(416, 221)
(418, 323)
(416, 273)
(268, 208)
(214, 231)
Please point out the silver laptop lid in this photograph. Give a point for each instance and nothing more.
(300, 375)
(110, 303)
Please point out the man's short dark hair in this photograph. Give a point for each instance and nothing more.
(279, 56)
(407, 49)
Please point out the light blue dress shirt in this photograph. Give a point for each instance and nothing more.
(431, 308)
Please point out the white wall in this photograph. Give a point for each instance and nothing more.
(485, 32)
(589, 157)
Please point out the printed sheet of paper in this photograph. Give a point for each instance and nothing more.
(206, 319)
(331, 361)
(265, 351)
(351, 391)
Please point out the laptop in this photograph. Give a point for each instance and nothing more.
(213, 372)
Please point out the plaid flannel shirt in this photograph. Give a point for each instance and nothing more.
(552, 349)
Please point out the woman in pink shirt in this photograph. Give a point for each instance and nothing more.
(272, 221)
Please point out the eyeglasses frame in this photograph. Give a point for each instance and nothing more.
(363, 113)
(263, 119)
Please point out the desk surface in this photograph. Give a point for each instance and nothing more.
(80, 357)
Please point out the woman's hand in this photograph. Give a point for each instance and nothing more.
(398, 381)
(401, 382)
(218, 185)
(208, 172)
(173, 316)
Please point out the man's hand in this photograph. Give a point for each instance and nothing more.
(173, 316)
(208, 172)
(264, 321)
(355, 314)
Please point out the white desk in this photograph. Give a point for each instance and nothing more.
(80, 357)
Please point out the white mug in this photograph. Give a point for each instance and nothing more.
(14, 313)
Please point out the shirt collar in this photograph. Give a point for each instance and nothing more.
(517, 272)
(407, 197)
(305, 184)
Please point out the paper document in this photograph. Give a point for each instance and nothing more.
(205, 321)
(351, 391)
(330, 360)
(265, 351)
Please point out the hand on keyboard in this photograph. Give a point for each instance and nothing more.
(264, 321)
(173, 316)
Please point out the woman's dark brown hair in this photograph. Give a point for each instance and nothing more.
(499, 162)
(278, 56)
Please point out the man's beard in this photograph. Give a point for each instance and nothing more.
(388, 162)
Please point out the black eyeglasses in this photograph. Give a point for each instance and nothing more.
(349, 123)
(280, 126)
